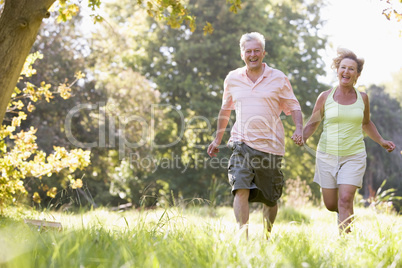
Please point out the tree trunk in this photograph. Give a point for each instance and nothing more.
(19, 26)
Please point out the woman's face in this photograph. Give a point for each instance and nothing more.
(347, 72)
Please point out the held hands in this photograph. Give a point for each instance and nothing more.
(213, 149)
(297, 137)
(388, 145)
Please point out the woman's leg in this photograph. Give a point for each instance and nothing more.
(345, 206)
(330, 197)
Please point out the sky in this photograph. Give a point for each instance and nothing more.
(359, 25)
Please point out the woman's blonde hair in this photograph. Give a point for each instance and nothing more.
(344, 53)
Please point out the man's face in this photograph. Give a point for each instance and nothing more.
(253, 55)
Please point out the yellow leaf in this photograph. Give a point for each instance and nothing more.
(30, 107)
(76, 183)
(52, 192)
(387, 13)
(79, 75)
(398, 16)
(192, 25)
(36, 198)
(208, 29)
(64, 90)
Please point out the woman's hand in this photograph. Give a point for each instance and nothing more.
(388, 145)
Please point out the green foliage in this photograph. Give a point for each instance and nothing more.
(383, 199)
(131, 109)
(235, 5)
(172, 12)
(297, 193)
(394, 87)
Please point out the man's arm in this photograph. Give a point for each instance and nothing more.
(223, 119)
(298, 120)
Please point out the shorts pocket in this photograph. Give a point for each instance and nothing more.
(235, 146)
(231, 175)
(231, 171)
(277, 188)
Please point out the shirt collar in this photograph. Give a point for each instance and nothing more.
(267, 70)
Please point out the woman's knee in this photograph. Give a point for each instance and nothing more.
(346, 196)
(345, 201)
(330, 197)
(331, 206)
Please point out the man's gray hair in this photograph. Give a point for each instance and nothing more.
(252, 36)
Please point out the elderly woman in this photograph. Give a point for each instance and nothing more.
(341, 153)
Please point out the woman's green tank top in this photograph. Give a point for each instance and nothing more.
(342, 134)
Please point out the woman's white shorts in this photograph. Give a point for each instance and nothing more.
(332, 170)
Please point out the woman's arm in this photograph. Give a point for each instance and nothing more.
(371, 129)
(316, 117)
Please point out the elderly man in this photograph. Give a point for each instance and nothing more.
(258, 94)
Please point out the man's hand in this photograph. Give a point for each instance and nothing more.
(213, 149)
(297, 137)
(298, 134)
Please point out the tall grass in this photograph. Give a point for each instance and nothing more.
(191, 237)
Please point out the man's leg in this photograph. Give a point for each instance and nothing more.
(241, 208)
(269, 216)
(345, 206)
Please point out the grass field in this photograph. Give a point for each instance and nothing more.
(198, 237)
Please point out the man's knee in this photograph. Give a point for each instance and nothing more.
(242, 193)
(266, 207)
